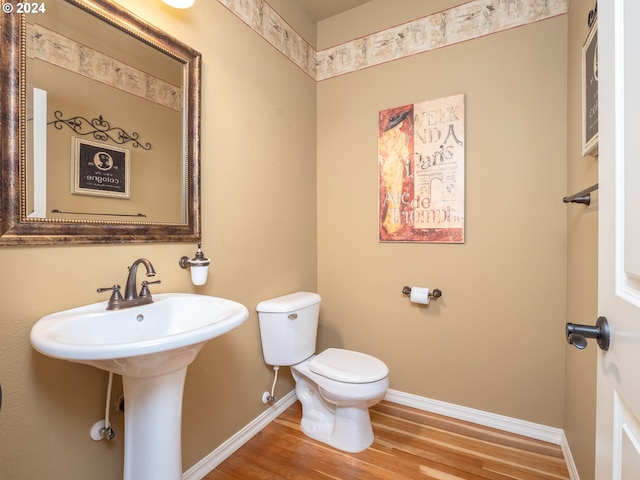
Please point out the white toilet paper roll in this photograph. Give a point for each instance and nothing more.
(420, 295)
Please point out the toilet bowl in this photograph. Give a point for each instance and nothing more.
(335, 411)
(335, 387)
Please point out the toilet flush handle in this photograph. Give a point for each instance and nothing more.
(293, 316)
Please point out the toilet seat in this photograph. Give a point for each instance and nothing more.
(348, 366)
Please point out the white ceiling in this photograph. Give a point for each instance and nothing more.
(321, 9)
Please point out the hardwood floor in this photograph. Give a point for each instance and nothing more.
(409, 444)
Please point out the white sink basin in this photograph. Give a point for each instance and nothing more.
(139, 341)
(150, 346)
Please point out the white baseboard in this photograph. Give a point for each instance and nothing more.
(571, 465)
(507, 424)
(224, 451)
(492, 420)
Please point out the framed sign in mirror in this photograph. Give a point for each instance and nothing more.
(100, 169)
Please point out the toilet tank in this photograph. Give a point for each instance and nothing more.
(288, 327)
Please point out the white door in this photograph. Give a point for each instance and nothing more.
(618, 407)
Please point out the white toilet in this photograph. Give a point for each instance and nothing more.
(336, 387)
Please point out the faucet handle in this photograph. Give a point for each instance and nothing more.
(115, 288)
(144, 291)
(116, 296)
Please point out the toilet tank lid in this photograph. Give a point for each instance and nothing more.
(348, 366)
(288, 303)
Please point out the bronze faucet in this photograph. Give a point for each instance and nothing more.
(131, 297)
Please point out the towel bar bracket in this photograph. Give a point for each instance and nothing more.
(583, 197)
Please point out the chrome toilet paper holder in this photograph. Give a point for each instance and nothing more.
(435, 293)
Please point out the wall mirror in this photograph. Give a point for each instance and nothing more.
(99, 127)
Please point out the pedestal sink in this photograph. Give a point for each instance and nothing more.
(151, 347)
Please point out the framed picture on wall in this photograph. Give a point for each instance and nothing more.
(100, 169)
(421, 165)
(590, 92)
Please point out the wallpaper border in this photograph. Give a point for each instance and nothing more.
(468, 21)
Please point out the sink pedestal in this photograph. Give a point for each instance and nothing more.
(151, 346)
(152, 422)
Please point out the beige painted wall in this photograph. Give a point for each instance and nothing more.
(494, 341)
(582, 261)
(151, 171)
(259, 228)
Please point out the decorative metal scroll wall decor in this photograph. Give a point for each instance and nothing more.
(99, 128)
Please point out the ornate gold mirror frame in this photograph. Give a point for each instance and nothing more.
(16, 227)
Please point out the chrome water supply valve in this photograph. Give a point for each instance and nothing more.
(99, 431)
(107, 433)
